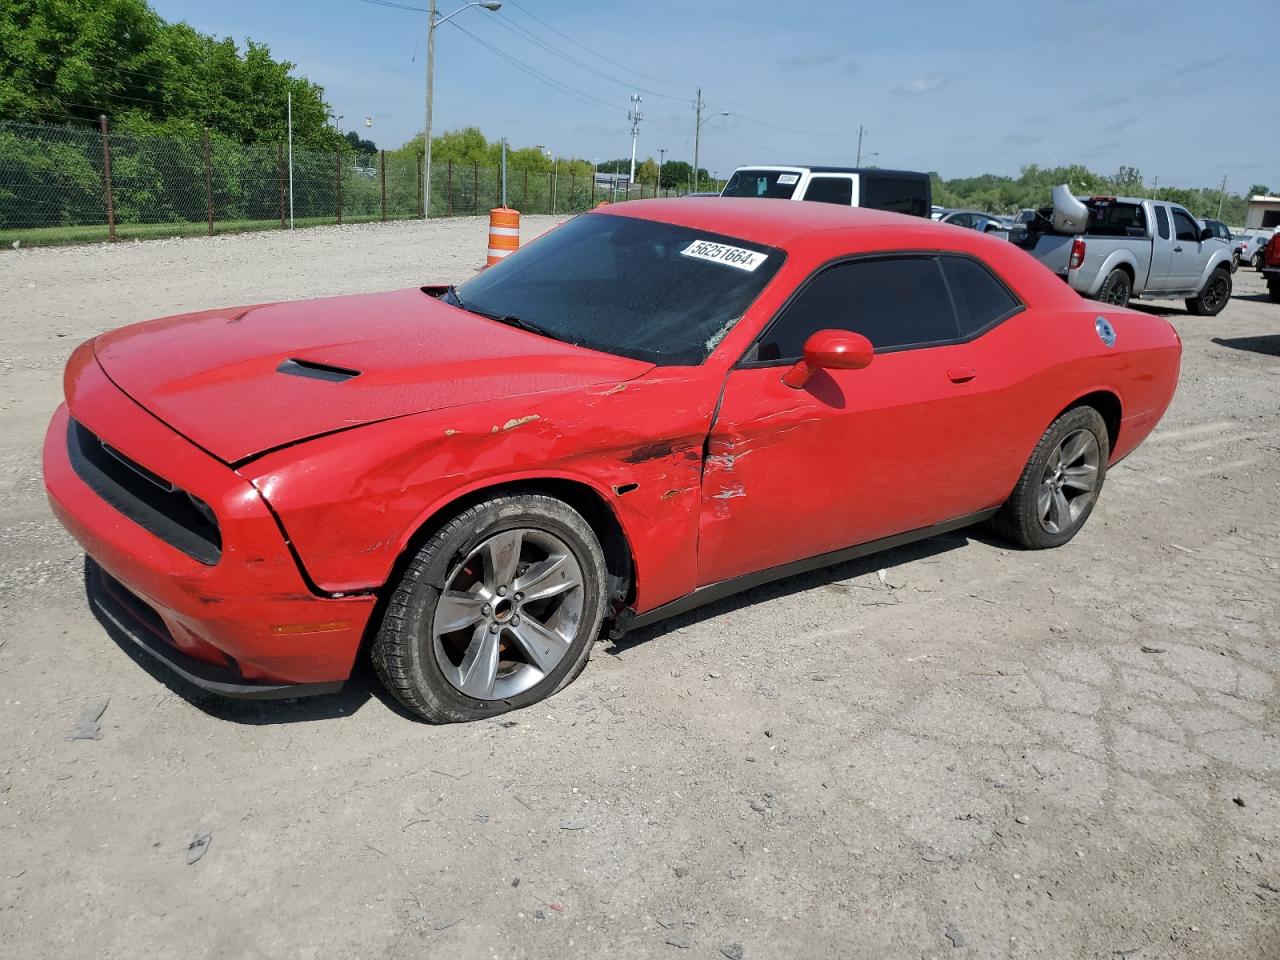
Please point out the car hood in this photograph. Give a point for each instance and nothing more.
(242, 381)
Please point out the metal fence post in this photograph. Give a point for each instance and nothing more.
(475, 185)
(448, 191)
(208, 179)
(551, 193)
(418, 178)
(524, 193)
(337, 179)
(593, 190)
(106, 178)
(280, 176)
(573, 189)
(382, 162)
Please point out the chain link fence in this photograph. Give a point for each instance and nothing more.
(63, 184)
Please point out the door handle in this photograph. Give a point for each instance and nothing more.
(1177, 249)
(961, 374)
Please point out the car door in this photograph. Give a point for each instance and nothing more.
(1187, 261)
(1162, 243)
(854, 455)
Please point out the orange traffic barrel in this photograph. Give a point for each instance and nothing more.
(504, 233)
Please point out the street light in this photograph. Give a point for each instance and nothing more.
(702, 122)
(434, 21)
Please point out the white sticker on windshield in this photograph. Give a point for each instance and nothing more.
(788, 179)
(720, 253)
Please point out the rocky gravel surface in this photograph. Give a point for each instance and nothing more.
(955, 749)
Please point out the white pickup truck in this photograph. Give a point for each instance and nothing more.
(1115, 248)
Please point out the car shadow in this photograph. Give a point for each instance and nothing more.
(1268, 344)
(362, 687)
(1253, 297)
(898, 556)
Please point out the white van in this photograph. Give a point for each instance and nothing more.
(899, 191)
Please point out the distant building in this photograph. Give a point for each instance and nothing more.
(609, 179)
(1263, 213)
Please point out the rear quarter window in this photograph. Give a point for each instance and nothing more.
(982, 300)
(894, 194)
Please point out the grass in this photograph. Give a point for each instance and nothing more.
(97, 233)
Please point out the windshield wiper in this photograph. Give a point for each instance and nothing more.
(513, 321)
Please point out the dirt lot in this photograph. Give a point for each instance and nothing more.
(988, 753)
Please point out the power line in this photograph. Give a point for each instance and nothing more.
(586, 98)
(508, 24)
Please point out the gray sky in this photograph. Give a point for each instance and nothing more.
(962, 88)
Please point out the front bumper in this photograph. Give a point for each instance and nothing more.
(246, 625)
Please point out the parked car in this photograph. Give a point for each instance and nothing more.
(654, 405)
(1248, 249)
(973, 220)
(1114, 248)
(898, 191)
(1270, 268)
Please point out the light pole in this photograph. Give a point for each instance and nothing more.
(662, 152)
(697, 136)
(434, 21)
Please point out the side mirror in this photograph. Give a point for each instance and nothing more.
(830, 350)
(1206, 234)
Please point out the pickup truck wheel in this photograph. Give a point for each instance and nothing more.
(1273, 288)
(1256, 262)
(1116, 289)
(497, 611)
(1214, 296)
(1060, 483)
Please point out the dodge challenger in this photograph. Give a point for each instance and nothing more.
(651, 406)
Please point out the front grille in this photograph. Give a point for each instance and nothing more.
(175, 516)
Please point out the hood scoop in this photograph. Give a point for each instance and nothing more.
(316, 370)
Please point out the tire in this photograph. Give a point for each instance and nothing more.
(1214, 296)
(484, 554)
(1273, 288)
(1023, 518)
(1235, 262)
(1256, 262)
(1116, 289)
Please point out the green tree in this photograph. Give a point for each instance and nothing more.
(1259, 190)
(647, 171)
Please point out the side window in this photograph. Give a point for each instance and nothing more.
(895, 194)
(830, 190)
(982, 301)
(1185, 228)
(1162, 222)
(894, 302)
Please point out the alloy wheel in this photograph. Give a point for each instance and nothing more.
(1069, 482)
(508, 614)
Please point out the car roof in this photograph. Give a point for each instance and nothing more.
(760, 219)
(812, 168)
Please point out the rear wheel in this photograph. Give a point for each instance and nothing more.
(1214, 296)
(497, 611)
(1117, 288)
(1273, 288)
(1060, 483)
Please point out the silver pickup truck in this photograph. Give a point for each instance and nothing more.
(1115, 248)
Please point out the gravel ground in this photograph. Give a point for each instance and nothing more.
(979, 753)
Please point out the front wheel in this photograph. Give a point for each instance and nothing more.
(1256, 262)
(1116, 289)
(1060, 483)
(1214, 296)
(497, 611)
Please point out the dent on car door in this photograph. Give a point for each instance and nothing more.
(854, 455)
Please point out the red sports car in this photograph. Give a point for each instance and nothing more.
(649, 407)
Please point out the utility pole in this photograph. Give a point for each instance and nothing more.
(662, 152)
(635, 117)
(697, 135)
(858, 162)
(1221, 195)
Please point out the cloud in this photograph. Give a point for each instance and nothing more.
(819, 58)
(1022, 139)
(1119, 126)
(921, 85)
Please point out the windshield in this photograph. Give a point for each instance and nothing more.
(637, 288)
(778, 184)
